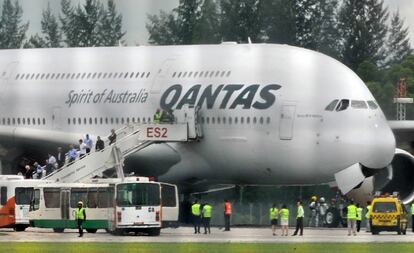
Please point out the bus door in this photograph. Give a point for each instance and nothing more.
(7, 207)
(23, 196)
(169, 205)
(64, 205)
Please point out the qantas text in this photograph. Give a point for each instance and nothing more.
(228, 96)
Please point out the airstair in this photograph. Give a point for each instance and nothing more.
(130, 139)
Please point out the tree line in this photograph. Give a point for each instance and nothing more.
(362, 34)
(89, 24)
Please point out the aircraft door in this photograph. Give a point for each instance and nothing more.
(6, 77)
(57, 118)
(287, 119)
(162, 76)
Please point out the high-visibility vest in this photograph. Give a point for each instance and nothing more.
(359, 213)
(273, 213)
(195, 209)
(301, 213)
(80, 213)
(227, 208)
(157, 117)
(412, 208)
(352, 212)
(368, 214)
(207, 210)
(284, 214)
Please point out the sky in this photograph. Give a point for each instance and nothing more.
(135, 14)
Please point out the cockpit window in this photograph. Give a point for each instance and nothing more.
(331, 105)
(372, 105)
(343, 105)
(359, 104)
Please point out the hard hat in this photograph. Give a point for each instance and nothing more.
(322, 199)
(80, 203)
(314, 198)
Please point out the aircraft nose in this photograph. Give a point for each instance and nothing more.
(380, 147)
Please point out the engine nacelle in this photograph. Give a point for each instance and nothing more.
(397, 177)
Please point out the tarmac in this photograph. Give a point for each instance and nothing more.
(186, 235)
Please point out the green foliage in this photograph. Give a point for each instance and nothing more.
(91, 24)
(364, 30)
(12, 30)
(398, 41)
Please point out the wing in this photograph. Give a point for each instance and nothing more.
(404, 133)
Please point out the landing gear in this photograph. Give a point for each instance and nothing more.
(332, 218)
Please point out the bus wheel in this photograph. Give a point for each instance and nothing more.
(58, 230)
(19, 228)
(154, 231)
(91, 230)
(118, 231)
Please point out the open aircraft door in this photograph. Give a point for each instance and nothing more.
(65, 205)
(5, 78)
(287, 119)
(162, 76)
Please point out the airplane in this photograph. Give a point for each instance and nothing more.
(270, 114)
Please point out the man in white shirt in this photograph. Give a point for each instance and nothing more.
(82, 149)
(89, 143)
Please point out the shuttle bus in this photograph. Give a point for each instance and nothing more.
(15, 195)
(119, 206)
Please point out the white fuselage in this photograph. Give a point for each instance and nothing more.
(262, 107)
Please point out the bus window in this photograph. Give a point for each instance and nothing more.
(138, 194)
(3, 195)
(23, 195)
(168, 195)
(92, 198)
(52, 197)
(105, 196)
(76, 195)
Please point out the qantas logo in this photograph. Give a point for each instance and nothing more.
(228, 96)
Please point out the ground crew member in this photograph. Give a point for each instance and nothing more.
(352, 216)
(80, 217)
(412, 216)
(368, 216)
(157, 116)
(227, 215)
(196, 212)
(284, 220)
(314, 215)
(273, 214)
(359, 217)
(207, 212)
(299, 219)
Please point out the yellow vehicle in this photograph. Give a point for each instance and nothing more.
(388, 214)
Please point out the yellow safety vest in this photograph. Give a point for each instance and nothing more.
(195, 209)
(284, 214)
(301, 213)
(359, 213)
(157, 117)
(352, 212)
(273, 213)
(412, 208)
(368, 214)
(207, 210)
(80, 213)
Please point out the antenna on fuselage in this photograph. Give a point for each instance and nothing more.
(249, 40)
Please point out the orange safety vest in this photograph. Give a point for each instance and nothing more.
(227, 208)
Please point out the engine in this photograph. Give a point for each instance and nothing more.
(397, 177)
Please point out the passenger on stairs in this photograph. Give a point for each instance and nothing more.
(112, 137)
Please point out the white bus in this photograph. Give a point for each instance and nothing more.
(15, 195)
(131, 205)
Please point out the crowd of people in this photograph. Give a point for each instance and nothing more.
(58, 160)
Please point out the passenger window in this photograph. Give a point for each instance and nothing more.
(211, 74)
(99, 75)
(3, 195)
(172, 75)
(52, 76)
(126, 75)
(359, 104)
(261, 120)
(52, 197)
(241, 120)
(331, 105)
(78, 194)
(68, 121)
(206, 74)
(228, 73)
(79, 121)
(254, 120)
(218, 120)
(132, 75)
(230, 120)
(224, 120)
(202, 120)
(190, 74)
(17, 76)
(372, 105)
(104, 75)
(105, 196)
(268, 120)
(213, 120)
(208, 120)
(195, 74)
(93, 198)
(236, 120)
(143, 74)
(343, 105)
(74, 121)
(44, 121)
(148, 74)
(90, 121)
